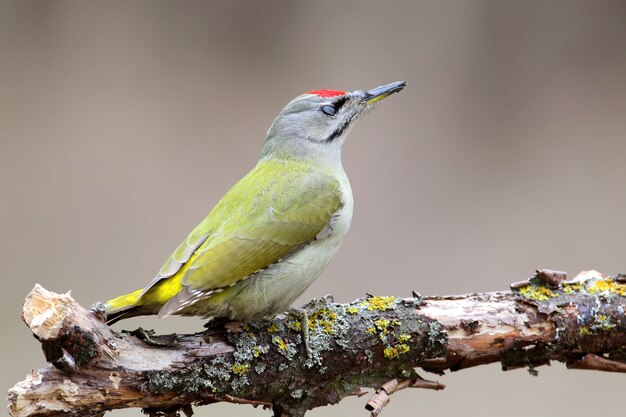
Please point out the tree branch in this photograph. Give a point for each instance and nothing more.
(375, 342)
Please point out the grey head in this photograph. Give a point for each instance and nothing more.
(315, 125)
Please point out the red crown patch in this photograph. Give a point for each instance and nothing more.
(326, 93)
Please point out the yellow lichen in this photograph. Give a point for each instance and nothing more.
(572, 288)
(392, 352)
(584, 331)
(382, 325)
(404, 338)
(378, 303)
(256, 351)
(273, 328)
(537, 293)
(607, 285)
(295, 325)
(240, 368)
(352, 310)
(280, 343)
(322, 319)
(370, 330)
(604, 322)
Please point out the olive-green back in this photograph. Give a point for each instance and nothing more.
(280, 206)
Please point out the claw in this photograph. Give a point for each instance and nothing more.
(303, 316)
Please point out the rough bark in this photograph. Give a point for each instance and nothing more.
(375, 342)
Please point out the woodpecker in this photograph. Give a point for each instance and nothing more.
(274, 231)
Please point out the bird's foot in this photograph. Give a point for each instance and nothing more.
(215, 322)
(302, 315)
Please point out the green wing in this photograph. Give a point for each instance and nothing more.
(279, 207)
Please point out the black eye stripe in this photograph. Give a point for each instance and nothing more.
(340, 102)
(338, 132)
(332, 109)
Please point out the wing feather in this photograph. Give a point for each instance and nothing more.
(292, 205)
(181, 255)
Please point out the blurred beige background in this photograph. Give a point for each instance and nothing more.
(122, 124)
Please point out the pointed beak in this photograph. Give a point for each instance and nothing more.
(379, 93)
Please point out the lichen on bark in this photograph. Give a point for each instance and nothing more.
(375, 342)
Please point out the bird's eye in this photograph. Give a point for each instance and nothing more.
(329, 110)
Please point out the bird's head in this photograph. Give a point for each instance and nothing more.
(315, 124)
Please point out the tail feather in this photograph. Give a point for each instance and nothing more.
(124, 314)
(125, 306)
